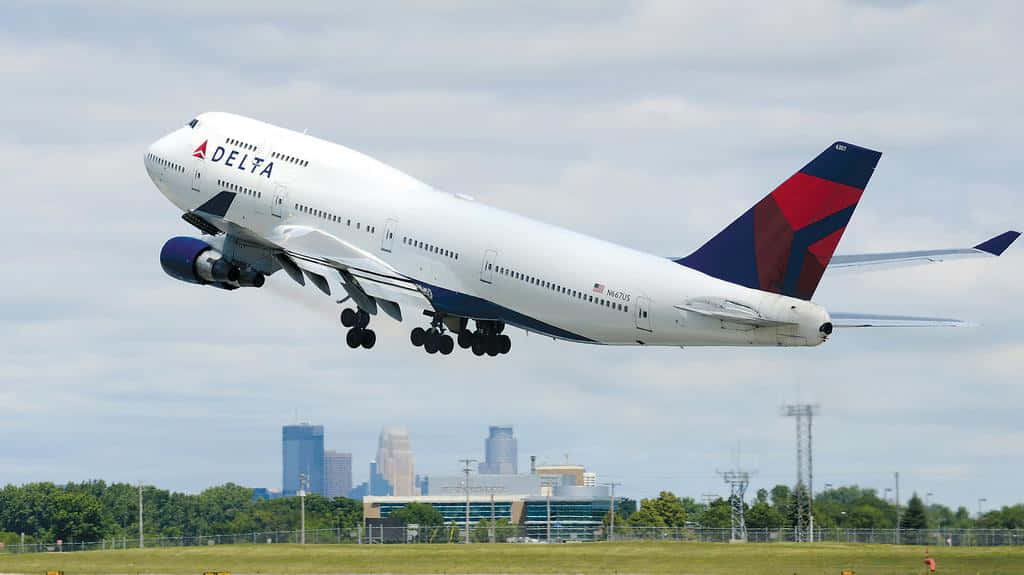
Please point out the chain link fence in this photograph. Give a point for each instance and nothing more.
(523, 534)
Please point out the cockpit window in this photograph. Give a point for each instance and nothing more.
(193, 123)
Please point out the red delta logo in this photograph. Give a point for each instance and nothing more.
(200, 152)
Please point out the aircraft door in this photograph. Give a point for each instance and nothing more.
(642, 313)
(487, 268)
(197, 173)
(390, 229)
(278, 200)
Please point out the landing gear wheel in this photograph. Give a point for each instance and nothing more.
(504, 344)
(348, 317)
(354, 338)
(363, 319)
(446, 345)
(492, 346)
(431, 344)
(479, 348)
(418, 336)
(369, 338)
(465, 339)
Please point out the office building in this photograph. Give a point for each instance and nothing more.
(302, 454)
(589, 479)
(501, 452)
(576, 513)
(337, 473)
(395, 461)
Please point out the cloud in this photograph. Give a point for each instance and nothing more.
(652, 124)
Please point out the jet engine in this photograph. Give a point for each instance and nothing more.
(195, 261)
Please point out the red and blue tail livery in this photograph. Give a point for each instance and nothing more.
(784, 243)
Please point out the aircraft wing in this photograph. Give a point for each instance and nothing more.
(322, 255)
(841, 319)
(869, 262)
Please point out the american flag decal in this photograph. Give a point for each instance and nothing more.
(598, 288)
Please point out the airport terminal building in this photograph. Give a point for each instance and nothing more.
(572, 512)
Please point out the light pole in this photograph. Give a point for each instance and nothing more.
(303, 478)
(465, 468)
(142, 542)
(611, 506)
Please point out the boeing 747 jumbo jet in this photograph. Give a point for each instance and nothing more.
(270, 199)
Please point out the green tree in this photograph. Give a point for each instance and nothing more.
(914, 517)
(420, 514)
(666, 510)
(77, 516)
(763, 516)
(717, 515)
(503, 530)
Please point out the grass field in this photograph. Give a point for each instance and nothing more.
(633, 557)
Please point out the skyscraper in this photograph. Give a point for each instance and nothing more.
(395, 460)
(337, 473)
(302, 451)
(501, 452)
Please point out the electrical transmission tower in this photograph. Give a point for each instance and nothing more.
(738, 482)
(804, 491)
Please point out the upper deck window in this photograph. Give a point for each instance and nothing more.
(193, 123)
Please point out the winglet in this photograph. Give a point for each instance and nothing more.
(997, 245)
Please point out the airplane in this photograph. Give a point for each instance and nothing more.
(267, 198)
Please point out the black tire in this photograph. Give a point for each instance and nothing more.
(369, 338)
(447, 344)
(418, 336)
(348, 317)
(479, 348)
(504, 344)
(354, 338)
(430, 344)
(363, 319)
(493, 346)
(465, 339)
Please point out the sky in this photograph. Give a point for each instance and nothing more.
(651, 124)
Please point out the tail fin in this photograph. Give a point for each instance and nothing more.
(784, 243)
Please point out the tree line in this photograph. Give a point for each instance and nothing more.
(849, 507)
(96, 510)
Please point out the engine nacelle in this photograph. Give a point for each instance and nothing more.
(195, 261)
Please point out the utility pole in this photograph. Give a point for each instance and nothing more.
(804, 414)
(549, 514)
(492, 532)
(611, 505)
(303, 478)
(466, 463)
(142, 542)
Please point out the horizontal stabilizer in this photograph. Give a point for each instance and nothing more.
(840, 319)
(727, 310)
(886, 260)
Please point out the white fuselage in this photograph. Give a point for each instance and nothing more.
(473, 260)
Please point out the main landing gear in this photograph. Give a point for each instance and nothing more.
(486, 339)
(358, 333)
